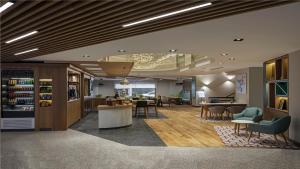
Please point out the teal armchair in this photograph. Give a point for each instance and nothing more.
(250, 113)
(274, 126)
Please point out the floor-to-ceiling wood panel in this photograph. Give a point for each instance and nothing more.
(184, 129)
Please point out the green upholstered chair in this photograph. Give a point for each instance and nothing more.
(274, 126)
(250, 113)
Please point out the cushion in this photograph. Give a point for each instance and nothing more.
(251, 112)
(245, 118)
(265, 122)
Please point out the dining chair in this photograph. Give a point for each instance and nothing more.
(217, 111)
(141, 104)
(154, 105)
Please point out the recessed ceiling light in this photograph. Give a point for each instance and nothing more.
(89, 64)
(5, 6)
(173, 50)
(238, 39)
(224, 54)
(27, 51)
(167, 14)
(122, 50)
(231, 58)
(85, 56)
(94, 68)
(21, 37)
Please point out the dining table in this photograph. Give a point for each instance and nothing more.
(205, 106)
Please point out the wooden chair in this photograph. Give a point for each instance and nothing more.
(217, 111)
(141, 104)
(154, 105)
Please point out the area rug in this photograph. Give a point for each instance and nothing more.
(231, 139)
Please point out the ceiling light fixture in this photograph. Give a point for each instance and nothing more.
(21, 37)
(94, 68)
(167, 14)
(89, 64)
(121, 50)
(5, 6)
(231, 58)
(224, 54)
(238, 39)
(203, 63)
(173, 50)
(26, 51)
(184, 69)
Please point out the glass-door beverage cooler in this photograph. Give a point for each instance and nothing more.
(17, 99)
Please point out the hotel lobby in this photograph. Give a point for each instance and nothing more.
(152, 84)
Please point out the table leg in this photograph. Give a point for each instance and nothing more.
(235, 124)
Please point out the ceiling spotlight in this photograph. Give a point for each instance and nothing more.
(122, 50)
(173, 50)
(238, 39)
(85, 56)
(167, 14)
(21, 37)
(26, 51)
(224, 54)
(5, 6)
(231, 58)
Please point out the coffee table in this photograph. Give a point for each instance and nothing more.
(237, 124)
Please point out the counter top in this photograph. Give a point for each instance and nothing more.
(117, 106)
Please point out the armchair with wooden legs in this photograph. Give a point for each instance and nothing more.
(275, 127)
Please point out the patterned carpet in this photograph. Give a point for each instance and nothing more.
(231, 139)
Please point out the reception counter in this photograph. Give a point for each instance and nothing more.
(114, 116)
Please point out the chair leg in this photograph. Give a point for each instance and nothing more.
(285, 140)
(235, 125)
(276, 139)
(146, 111)
(156, 111)
(250, 135)
(136, 112)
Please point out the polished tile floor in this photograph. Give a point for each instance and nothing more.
(138, 134)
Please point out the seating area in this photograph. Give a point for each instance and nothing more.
(149, 84)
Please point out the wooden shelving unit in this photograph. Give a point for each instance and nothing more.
(276, 83)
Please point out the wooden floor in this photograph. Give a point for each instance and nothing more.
(183, 128)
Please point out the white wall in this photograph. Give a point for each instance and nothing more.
(107, 89)
(163, 87)
(215, 85)
(294, 95)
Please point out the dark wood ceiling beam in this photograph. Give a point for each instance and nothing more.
(101, 30)
(60, 18)
(63, 31)
(117, 36)
(36, 12)
(128, 34)
(44, 18)
(116, 29)
(24, 7)
(113, 34)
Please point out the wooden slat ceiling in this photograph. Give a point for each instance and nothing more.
(65, 25)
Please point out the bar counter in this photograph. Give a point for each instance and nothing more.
(114, 116)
